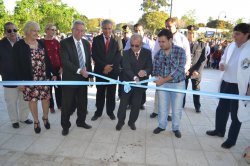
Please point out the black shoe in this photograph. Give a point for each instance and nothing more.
(95, 117)
(112, 117)
(153, 115)
(132, 126)
(84, 125)
(227, 145)
(65, 132)
(142, 107)
(37, 127)
(198, 110)
(28, 121)
(158, 130)
(15, 125)
(46, 123)
(169, 118)
(118, 127)
(215, 133)
(177, 133)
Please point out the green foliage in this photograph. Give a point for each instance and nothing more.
(189, 18)
(154, 20)
(3, 17)
(220, 24)
(153, 5)
(94, 24)
(201, 25)
(44, 12)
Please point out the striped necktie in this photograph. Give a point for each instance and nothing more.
(80, 56)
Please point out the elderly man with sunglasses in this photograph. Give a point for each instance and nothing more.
(18, 109)
(137, 65)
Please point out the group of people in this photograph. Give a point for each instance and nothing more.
(174, 60)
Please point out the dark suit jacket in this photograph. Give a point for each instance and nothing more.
(113, 55)
(7, 70)
(70, 61)
(131, 66)
(198, 57)
(22, 61)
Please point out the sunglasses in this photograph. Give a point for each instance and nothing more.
(135, 45)
(53, 29)
(12, 30)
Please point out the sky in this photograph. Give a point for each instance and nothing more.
(128, 10)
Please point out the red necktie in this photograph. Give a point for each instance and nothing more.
(107, 44)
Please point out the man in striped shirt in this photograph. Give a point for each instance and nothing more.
(169, 67)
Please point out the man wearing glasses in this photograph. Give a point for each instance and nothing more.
(146, 43)
(18, 109)
(137, 65)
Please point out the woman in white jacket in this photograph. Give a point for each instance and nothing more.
(235, 64)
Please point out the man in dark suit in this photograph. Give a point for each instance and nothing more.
(106, 53)
(198, 61)
(18, 109)
(76, 60)
(137, 66)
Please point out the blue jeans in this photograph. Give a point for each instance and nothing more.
(176, 100)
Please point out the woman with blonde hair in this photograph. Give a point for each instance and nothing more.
(33, 64)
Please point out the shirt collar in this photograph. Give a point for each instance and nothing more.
(77, 40)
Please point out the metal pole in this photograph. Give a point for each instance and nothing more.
(171, 5)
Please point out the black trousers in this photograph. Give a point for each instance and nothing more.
(195, 86)
(74, 97)
(226, 107)
(135, 95)
(58, 95)
(105, 93)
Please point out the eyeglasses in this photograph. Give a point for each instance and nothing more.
(12, 30)
(53, 29)
(132, 45)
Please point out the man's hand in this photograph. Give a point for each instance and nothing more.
(160, 81)
(142, 73)
(187, 73)
(195, 74)
(108, 69)
(222, 67)
(53, 78)
(84, 73)
(21, 88)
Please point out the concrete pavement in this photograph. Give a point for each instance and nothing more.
(104, 146)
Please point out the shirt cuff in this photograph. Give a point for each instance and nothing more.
(78, 71)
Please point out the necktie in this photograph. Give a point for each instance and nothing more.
(107, 44)
(80, 56)
(137, 55)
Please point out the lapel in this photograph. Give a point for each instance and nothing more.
(73, 48)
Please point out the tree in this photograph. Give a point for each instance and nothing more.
(44, 12)
(153, 20)
(189, 18)
(201, 25)
(220, 24)
(3, 17)
(94, 24)
(240, 20)
(153, 5)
